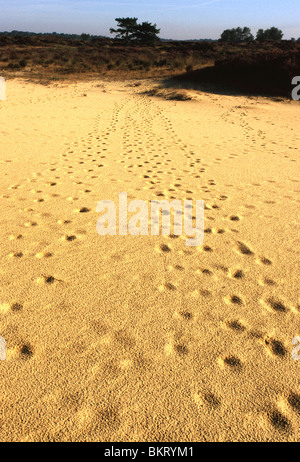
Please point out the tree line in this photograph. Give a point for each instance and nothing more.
(244, 35)
(130, 31)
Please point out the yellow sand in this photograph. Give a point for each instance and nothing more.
(124, 338)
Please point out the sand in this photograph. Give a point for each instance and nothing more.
(141, 338)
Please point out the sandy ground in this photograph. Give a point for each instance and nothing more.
(141, 338)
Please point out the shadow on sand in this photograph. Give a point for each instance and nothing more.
(251, 76)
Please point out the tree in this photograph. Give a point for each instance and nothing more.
(147, 33)
(246, 35)
(85, 37)
(126, 28)
(130, 31)
(269, 34)
(237, 35)
(227, 36)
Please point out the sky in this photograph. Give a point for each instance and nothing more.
(188, 19)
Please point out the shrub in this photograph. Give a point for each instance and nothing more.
(189, 68)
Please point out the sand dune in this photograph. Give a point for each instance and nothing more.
(141, 338)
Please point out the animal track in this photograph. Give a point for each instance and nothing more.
(238, 274)
(16, 307)
(16, 254)
(233, 362)
(294, 402)
(44, 255)
(6, 307)
(212, 400)
(69, 238)
(275, 346)
(234, 299)
(83, 210)
(264, 261)
(236, 325)
(48, 280)
(165, 248)
(26, 351)
(169, 286)
(181, 349)
(244, 249)
(207, 248)
(185, 315)
(13, 237)
(277, 305)
(279, 422)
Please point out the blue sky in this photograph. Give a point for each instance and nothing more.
(176, 19)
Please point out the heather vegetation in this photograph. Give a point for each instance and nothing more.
(236, 60)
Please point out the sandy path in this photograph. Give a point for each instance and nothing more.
(136, 338)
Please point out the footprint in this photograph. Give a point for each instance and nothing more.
(267, 282)
(185, 315)
(44, 255)
(108, 418)
(169, 286)
(207, 272)
(16, 307)
(264, 261)
(16, 254)
(294, 402)
(165, 248)
(235, 299)
(232, 361)
(124, 339)
(277, 305)
(181, 349)
(83, 210)
(207, 248)
(275, 346)
(6, 307)
(236, 325)
(13, 237)
(26, 351)
(48, 280)
(278, 421)
(243, 249)
(212, 400)
(238, 274)
(69, 238)
(64, 222)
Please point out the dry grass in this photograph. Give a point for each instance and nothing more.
(49, 59)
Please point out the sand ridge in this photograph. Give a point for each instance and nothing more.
(140, 338)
